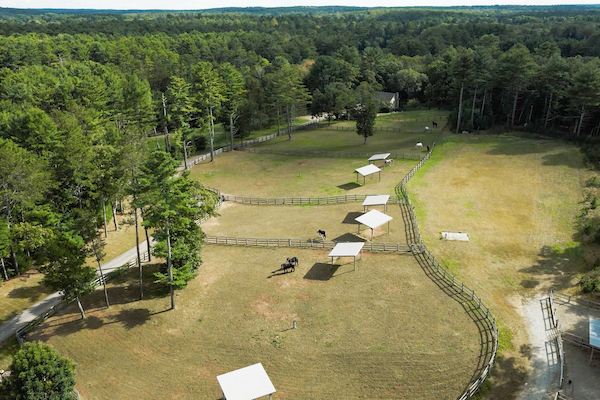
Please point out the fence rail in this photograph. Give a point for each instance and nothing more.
(559, 338)
(330, 154)
(491, 347)
(329, 200)
(304, 243)
(576, 299)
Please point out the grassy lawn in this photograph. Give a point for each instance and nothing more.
(274, 175)
(359, 333)
(303, 222)
(518, 200)
(20, 293)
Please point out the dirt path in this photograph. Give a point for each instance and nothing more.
(544, 363)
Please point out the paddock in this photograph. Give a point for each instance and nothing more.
(357, 335)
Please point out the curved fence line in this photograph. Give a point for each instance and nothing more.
(330, 154)
(461, 293)
(306, 243)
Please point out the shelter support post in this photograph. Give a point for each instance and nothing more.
(379, 176)
(591, 355)
(354, 263)
(388, 227)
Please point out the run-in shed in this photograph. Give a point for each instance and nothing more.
(348, 249)
(379, 200)
(374, 219)
(367, 170)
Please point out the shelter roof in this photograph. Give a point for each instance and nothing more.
(378, 200)
(595, 332)
(374, 219)
(348, 249)
(381, 156)
(368, 170)
(246, 383)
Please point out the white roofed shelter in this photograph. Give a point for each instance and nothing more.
(376, 157)
(246, 383)
(348, 249)
(367, 170)
(374, 219)
(594, 336)
(380, 200)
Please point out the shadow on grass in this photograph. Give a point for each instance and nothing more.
(557, 263)
(321, 272)
(351, 218)
(349, 237)
(349, 186)
(32, 293)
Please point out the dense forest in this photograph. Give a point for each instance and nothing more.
(81, 91)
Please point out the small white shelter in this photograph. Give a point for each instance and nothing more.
(374, 219)
(246, 383)
(348, 249)
(380, 200)
(376, 157)
(367, 170)
(594, 336)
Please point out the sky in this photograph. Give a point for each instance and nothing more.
(204, 4)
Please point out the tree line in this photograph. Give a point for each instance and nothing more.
(77, 105)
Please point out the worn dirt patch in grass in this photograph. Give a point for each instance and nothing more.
(356, 335)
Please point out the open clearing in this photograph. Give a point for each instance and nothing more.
(360, 334)
(275, 175)
(518, 200)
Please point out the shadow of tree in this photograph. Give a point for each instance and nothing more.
(557, 263)
(130, 318)
(32, 293)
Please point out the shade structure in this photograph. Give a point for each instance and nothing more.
(367, 170)
(379, 200)
(594, 335)
(246, 383)
(347, 249)
(381, 156)
(374, 219)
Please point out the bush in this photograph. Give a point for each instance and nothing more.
(39, 372)
(594, 203)
(412, 104)
(593, 182)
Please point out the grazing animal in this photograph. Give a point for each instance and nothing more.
(322, 234)
(426, 129)
(287, 266)
(434, 124)
(389, 162)
(428, 148)
(419, 145)
(293, 261)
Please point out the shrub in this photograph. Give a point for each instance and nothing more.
(39, 372)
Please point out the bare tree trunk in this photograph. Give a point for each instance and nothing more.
(473, 109)
(211, 134)
(288, 117)
(137, 248)
(12, 249)
(167, 140)
(114, 213)
(170, 266)
(104, 214)
(483, 102)
(460, 107)
(530, 114)
(278, 119)
(147, 240)
(80, 308)
(185, 163)
(548, 110)
(231, 129)
(581, 120)
(514, 110)
(103, 283)
(4, 269)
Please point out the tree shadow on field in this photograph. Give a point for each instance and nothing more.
(321, 272)
(351, 218)
(557, 264)
(563, 158)
(513, 146)
(506, 379)
(31, 293)
(349, 186)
